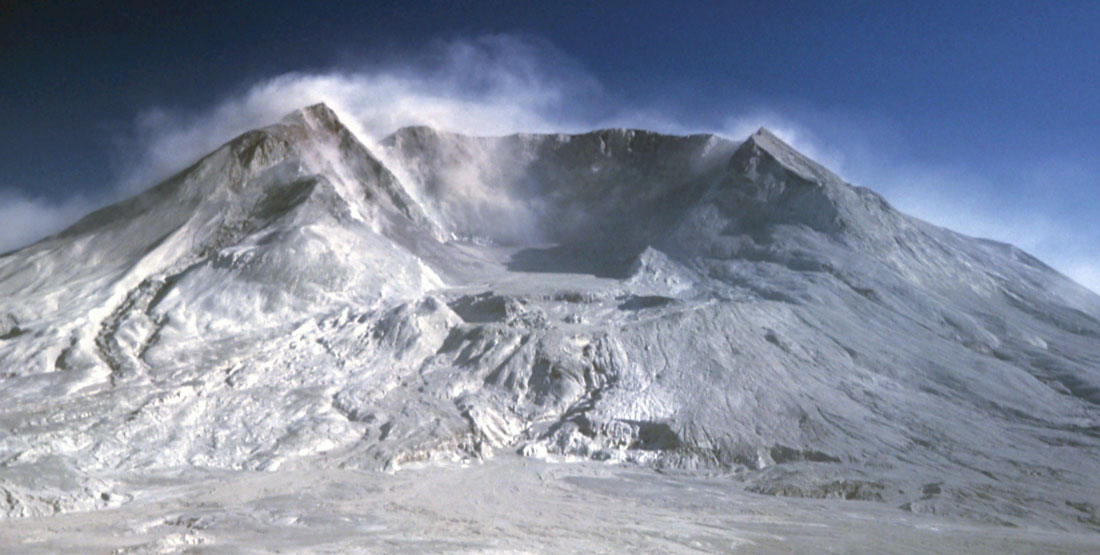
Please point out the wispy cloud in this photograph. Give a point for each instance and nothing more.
(1085, 270)
(487, 86)
(26, 219)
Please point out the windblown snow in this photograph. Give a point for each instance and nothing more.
(682, 303)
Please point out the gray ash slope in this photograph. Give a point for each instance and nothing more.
(297, 299)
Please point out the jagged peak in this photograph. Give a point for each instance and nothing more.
(316, 112)
(318, 117)
(314, 123)
(764, 141)
(764, 132)
(319, 109)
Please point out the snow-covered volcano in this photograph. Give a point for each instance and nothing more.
(297, 300)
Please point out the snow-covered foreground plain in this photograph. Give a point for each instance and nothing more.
(507, 504)
(298, 312)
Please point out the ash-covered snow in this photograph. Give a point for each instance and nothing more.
(683, 303)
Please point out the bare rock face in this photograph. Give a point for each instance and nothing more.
(296, 300)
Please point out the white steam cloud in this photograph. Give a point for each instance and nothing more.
(501, 84)
(488, 86)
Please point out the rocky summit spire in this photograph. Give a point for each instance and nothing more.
(764, 142)
(317, 115)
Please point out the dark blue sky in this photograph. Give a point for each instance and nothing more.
(992, 104)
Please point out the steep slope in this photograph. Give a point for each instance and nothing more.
(680, 302)
(306, 171)
(108, 317)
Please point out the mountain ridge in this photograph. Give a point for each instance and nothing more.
(678, 302)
